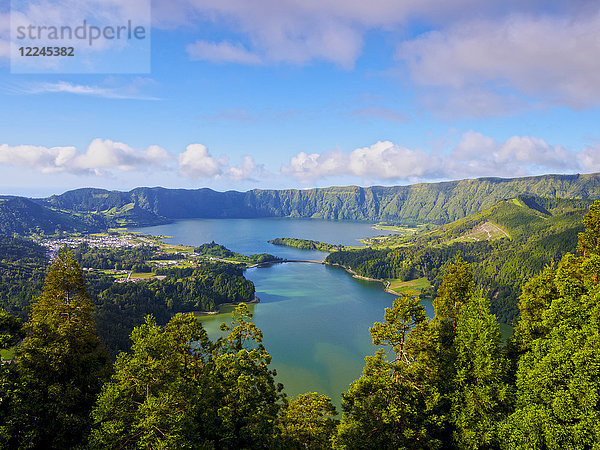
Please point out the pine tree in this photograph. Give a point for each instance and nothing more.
(61, 363)
(455, 293)
(480, 389)
(443, 384)
(390, 405)
(249, 398)
(176, 389)
(308, 422)
(160, 395)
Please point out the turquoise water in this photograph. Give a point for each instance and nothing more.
(315, 318)
(315, 321)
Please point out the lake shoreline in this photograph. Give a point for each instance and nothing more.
(313, 346)
(254, 301)
(386, 287)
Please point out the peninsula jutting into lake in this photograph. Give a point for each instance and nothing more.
(295, 224)
(319, 299)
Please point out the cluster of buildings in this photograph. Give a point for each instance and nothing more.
(119, 241)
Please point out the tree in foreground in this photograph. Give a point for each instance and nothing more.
(60, 365)
(308, 422)
(558, 375)
(480, 391)
(159, 395)
(387, 407)
(441, 385)
(176, 389)
(249, 400)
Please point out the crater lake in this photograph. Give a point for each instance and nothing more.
(315, 318)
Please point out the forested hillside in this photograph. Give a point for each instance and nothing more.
(119, 307)
(91, 209)
(529, 233)
(436, 203)
(24, 216)
(445, 382)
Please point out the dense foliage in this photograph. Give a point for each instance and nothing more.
(119, 307)
(221, 252)
(444, 382)
(59, 367)
(22, 272)
(127, 258)
(306, 244)
(448, 383)
(500, 266)
(177, 389)
(557, 403)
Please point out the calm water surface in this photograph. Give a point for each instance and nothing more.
(315, 318)
(249, 236)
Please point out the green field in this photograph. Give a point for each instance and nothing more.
(141, 276)
(7, 354)
(412, 287)
(401, 229)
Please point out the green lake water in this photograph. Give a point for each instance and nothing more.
(315, 318)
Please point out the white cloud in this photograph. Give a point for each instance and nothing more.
(589, 158)
(43, 159)
(196, 162)
(551, 59)
(383, 160)
(247, 170)
(130, 91)
(104, 157)
(533, 150)
(297, 32)
(303, 31)
(312, 166)
(475, 155)
(386, 160)
(100, 158)
(221, 52)
(106, 154)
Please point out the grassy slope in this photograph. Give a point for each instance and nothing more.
(519, 220)
(412, 287)
(540, 231)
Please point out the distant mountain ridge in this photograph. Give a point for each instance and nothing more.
(437, 203)
(91, 209)
(23, 216)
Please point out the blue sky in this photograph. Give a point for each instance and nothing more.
(265, 94)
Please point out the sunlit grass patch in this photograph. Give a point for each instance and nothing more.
(412, 287)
